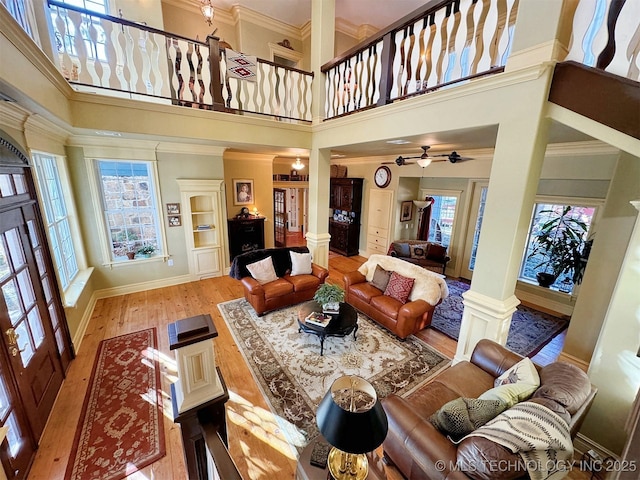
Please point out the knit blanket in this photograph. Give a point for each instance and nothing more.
(540, 436)
(428, 286)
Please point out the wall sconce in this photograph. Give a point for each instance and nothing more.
(297, 165)
(206, 8)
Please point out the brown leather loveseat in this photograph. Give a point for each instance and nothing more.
(422, 452)
(286, 289)
(403, 319)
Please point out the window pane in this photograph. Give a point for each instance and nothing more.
(130, 209)
(555, 219)
(442, 214)
(476, 234)
(14, 435)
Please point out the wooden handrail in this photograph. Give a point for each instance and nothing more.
(218, 450)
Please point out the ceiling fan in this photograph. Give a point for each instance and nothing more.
(425, 159)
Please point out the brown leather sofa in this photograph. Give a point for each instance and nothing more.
(421, 452)
(286, 290)
(401, 319)
(434, 257)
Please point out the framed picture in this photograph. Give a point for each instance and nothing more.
(406, 211)
(173, 209)
(243, 192)
(175, 220)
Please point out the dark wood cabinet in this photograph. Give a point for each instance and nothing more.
(345, 197)
(346, 194)
(245, 235)
(345, 237)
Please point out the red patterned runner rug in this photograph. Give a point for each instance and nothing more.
(121, 426)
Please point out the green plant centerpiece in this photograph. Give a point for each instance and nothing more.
(559, 247)
(329, 296)
(147, 250)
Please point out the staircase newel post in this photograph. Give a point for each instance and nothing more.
(214, 67)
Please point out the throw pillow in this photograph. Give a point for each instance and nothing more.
(300, 263)
(401, 249)
(399, 287)
(419, 250)
(509, 393)
(437, 251)
(263, 271)
(522, 372)
(565, 384)
(381, 278)
(462, 416)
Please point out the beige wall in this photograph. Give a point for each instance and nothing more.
(189, 23)
(258, 168)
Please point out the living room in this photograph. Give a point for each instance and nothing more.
(604, 175)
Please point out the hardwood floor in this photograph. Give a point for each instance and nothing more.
(255, 440)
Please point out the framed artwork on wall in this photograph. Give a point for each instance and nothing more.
(173, 209)
(243, 192)
(175, 220)
(406, 211)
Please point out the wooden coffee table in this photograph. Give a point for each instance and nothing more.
(341, 324)
(306, 471)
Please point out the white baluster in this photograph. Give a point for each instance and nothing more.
(488, 33)
(437, 48)
(396, 66)
(583, 18)
(65, 59)
(422, 64)
(109, 78)
(627, 38)
(414, 59)
(480, 11)
(93, 64)
(460, 40)
(79, 68)
(602, 36)
(506, 37)
(448, 45)
(160, 75)
(376, 64)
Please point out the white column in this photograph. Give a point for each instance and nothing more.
(515, 172)
(322, 50)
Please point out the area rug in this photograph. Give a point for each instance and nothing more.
(293, 376)
(121, 425)
(530, 330)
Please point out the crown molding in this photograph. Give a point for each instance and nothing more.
(305, 30)
(254, 157)
(346, 27)
(247, 15)
(12, 115)
(588, 147)
(191, 149)
(39, 125)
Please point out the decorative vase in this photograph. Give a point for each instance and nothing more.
(131, 255)
(331, 307)
(545, 279)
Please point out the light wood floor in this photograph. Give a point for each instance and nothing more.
(254, 440)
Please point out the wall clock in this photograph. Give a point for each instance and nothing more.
(382, 177)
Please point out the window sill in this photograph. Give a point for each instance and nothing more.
(73, 291)
(136, 261)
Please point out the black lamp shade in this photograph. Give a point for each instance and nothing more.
(352, 432)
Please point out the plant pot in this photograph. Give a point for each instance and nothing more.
(331, 307)
(131, 255)
(545, 279)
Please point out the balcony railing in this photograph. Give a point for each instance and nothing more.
(120, 56)
(440, 44)
(444, 43)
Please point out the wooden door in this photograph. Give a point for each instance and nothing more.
(280, 217)
(35, 346)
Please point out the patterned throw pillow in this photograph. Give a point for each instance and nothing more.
(263, 271)
(522, 372)
(437, 251)
(399, 287)
(419, 250)
(380, 278)
(462, 416)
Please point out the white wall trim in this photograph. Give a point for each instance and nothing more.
(142, 286)
(191, 149)
(551, 50)
(244, 14)
(583, 444)
(84, 322)
(544, 302)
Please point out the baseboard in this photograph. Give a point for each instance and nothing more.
(582, 444)
(578, 362)
(141, 287)
(84, 322)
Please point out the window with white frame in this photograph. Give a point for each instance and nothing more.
(130, 208)
(95, 45)
(578, 218)
(443, 212)
(56, 216)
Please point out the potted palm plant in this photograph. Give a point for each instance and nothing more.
(559, 247)
(329, 296)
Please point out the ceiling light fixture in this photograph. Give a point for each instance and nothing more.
(298, 165)
(206, 8)
(424, 162)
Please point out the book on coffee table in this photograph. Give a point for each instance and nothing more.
(318, 318)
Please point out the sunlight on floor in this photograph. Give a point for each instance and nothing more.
(136, 475)
(273, 430)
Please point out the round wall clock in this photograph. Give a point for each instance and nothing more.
(382, 177)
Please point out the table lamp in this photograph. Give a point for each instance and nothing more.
(352, 420)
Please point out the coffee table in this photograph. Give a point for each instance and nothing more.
(306, 471)
(341, 324)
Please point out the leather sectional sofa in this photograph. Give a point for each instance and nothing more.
(431, 256)
(286, 289)
(422, 452)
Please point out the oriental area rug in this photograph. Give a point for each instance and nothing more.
(294, 378)
(121, 425)
(530, 330)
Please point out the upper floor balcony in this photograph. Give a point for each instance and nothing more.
(441, 45)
